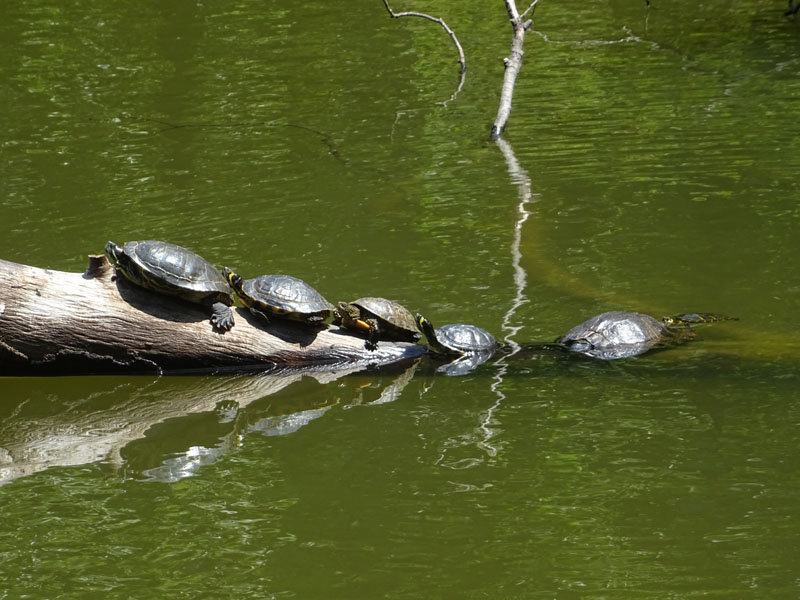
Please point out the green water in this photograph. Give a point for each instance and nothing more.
(652, 165)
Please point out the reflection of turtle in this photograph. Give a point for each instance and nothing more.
(381, 318)
(620, 334)
(176, 271)
(456, 339)
(281, 296)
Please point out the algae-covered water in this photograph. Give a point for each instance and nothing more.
(650, 164)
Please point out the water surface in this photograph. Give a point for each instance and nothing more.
(651, 165)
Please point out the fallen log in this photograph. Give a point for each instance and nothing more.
(53, 322)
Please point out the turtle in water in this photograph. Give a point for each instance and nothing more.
(175, 271)
(281, 296)
(469, 344)
(380, 318)
(456, 339)
(621, 334)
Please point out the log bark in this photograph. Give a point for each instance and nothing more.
(53, 322)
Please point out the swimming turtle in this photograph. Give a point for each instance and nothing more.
(381, 318)
(621, 334)
(456, 339)
(175, 271)
(467, 345)
(280, 296)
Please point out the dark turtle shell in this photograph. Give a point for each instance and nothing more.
(284, 296)
(457, 338)
(173, 270)
(390, 313)
(381, 318)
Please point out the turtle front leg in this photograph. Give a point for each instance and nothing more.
(221, 316)
(374, 334)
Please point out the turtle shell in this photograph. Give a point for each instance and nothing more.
(616, 334)
(465, 339)
(392, 316)
(174, 270)
(286, 296)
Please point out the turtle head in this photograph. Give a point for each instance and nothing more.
(345, 309)
(235, 280)
(117, 257)
(426, 327)
(113, 252)
(349, 315)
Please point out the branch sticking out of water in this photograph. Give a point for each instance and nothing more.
(462, 61)
(513, 63)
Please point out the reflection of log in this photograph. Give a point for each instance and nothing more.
(56, 322)
(96, 421)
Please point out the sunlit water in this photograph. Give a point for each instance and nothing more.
(651, 165)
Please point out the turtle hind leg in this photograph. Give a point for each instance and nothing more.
(260, 314)
(221, 316)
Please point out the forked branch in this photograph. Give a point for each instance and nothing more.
(513, 63)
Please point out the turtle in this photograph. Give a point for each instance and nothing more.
(381, 318)
(281, 296)
(622, 334)
(173, 270)
(467, 345)
(456, 339)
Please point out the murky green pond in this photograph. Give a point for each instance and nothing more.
(651, 163)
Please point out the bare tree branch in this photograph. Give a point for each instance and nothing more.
(513, 63)
(462, 61)
(530, 9)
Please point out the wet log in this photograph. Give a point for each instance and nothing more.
(53, 322)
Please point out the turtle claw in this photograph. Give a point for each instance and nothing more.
(222, 317)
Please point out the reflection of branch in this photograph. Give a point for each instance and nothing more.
(513, 64)
(520, 178)
(450, 32)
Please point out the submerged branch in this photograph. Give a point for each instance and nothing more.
(513, 63)
(461, 59)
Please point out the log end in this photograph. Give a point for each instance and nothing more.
(99, 267)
